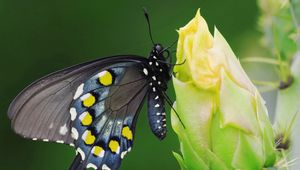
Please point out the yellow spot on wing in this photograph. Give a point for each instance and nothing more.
(86, 118)
(98, 151)
(114, 146)
(88, 100)
(88, 137)
(105, 78)
(127, 133)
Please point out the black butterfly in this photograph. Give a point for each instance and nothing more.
(94, 106)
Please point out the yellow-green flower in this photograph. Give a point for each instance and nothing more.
(226, 121)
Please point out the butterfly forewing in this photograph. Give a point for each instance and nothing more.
(42, 110)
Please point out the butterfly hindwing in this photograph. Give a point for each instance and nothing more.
(104, 114)
(41, 111)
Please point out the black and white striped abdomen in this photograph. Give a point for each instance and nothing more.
(156, 113)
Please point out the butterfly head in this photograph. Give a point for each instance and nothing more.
(158, 48)
(159, 52)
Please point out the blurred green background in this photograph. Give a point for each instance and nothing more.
(39, 37)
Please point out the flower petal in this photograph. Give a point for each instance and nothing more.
(237, 106)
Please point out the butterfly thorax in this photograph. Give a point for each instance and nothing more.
(159, 69)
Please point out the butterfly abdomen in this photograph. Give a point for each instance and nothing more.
(157, 114)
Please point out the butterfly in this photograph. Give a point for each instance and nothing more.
(94, 106)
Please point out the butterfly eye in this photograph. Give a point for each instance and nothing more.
(158, 48)
(166, 54)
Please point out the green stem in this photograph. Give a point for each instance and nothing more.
(264, 60)
(287, 106)
(296, 23)
(292, 10)
(266, 83)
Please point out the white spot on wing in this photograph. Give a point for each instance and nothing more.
(153, 89)
(74, 133)
(81, 153)
(51, 126)
(123, 154)
(83, 137)
(63, 130)
(73, 113)
(153, 77)
(102, 73)
(101, 155)
(156, 63)
(105, 167)
(85, 96)
(83, 115)
(156, 97)
(90, 165)
(157, 105)
(59, 141)
(118, 150)
(145, 71)
(34, 138)
(157, 113)
(79, 91)
(46, 140)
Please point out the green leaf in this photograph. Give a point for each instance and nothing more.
(224, 140)
(191, 157)
(248, 155)
(180, 161)
(215, 162)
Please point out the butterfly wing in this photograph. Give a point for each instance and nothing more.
(104, 115)
(41, 111)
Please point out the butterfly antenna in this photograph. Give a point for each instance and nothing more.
(171, 64)
(170, 46)
(169, 101)
(148, 22)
